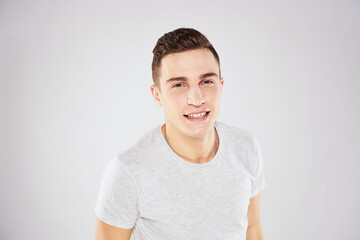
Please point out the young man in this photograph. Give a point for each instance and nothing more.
(193, 177)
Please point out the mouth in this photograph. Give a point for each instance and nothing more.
(199, 115)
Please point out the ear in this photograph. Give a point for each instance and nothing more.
(222, 82)
(221, 85)
(155, 91)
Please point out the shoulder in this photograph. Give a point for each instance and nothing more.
(240, 144)
(143, 150)
(234, 134)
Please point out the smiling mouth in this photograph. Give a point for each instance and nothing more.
(197, 115)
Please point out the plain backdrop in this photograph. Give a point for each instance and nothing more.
(75, 90)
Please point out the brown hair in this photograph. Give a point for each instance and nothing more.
(179, 40)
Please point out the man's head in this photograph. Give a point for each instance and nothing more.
(179, 40)
(188, 84)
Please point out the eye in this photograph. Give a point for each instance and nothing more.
(176, 85)
(208, 81)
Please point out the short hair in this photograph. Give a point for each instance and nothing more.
(179, 40)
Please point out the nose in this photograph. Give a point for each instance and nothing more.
(195, 97)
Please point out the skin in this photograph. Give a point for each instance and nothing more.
(104, 231)
(189, 82)
(254, 230)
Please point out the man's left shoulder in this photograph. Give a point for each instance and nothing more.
(234, 133)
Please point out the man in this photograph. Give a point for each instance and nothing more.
(193, 177)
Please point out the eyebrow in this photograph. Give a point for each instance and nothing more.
(206, 75)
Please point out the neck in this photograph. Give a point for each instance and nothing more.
(194, 149)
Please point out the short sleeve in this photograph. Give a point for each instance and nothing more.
(117, 200)
(258, 182)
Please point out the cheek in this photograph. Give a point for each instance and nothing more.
(213, 96)
(174, 102)
(177, 98)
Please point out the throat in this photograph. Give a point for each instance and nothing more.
(196, 150)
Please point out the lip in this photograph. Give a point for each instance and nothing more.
(197, 112)
(198, 119)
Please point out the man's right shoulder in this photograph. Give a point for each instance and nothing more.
(142, 151)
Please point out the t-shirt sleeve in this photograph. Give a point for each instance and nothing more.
(117, 201)
(258, 182)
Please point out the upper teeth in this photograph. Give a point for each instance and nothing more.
(197, 115)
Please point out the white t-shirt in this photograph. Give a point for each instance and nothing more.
(164, 197)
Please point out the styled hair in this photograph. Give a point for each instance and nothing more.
(179, 40)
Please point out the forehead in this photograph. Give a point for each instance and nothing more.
(189, 64)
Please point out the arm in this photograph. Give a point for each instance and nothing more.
(104, 231)
(254, 231)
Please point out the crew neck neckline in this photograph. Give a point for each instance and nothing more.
(178, 158)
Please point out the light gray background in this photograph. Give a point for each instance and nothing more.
(75, 79)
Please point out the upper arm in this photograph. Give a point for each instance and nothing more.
(254, 231)
(116, 207)
(253, 213)
(104, 231)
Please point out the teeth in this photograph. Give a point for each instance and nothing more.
(197, 115)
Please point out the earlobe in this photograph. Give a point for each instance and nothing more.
(156, 94)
